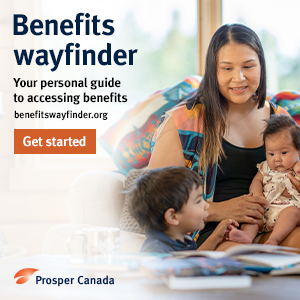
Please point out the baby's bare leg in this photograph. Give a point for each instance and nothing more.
(287, 220)
(245, 235)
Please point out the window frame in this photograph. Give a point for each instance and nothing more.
(33, 170)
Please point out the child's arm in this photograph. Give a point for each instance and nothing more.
(218, 234)
(256, 186)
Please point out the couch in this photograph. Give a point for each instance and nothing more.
(95, 199)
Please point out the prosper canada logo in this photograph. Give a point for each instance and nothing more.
(24, 275)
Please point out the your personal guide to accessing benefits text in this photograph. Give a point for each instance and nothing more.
(93, 85)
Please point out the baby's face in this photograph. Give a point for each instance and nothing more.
(280, 151)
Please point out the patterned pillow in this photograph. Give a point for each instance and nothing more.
(128, 141)
(290, 101)
(127, 222)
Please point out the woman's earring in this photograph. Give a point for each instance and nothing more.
(255, 96)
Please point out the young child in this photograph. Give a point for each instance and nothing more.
(282, 144)
(168, 203)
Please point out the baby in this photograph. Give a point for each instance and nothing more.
(168, 203)
(282, 144)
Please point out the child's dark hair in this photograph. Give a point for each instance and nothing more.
(277, 123)
(157, 191)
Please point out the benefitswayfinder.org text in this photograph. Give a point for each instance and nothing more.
(39, 114)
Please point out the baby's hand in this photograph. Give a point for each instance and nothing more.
(296, 169)
(223, 228)
(285, 193)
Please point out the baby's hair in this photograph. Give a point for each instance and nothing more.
(157, 191)
(278, 123)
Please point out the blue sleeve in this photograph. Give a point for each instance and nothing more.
(155, 246)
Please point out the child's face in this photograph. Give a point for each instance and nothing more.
(280, 151)
(193, 214)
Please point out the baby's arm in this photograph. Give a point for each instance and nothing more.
(218, 234)
(256, 187)
(296, 169)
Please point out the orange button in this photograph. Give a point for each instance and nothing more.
(55, 141)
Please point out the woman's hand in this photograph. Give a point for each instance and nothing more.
(243, 209)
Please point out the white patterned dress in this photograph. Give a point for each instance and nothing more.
(274, 183)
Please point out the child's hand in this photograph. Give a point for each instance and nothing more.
(223, 229)
(218, 234)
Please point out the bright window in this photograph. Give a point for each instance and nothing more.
(164, 32)
(276, 22)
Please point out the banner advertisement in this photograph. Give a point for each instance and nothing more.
(84, 85)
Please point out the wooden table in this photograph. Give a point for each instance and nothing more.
(49, 266)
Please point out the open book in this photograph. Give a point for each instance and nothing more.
(292, 270)
(239, 250)
(197, 273)
(258, 257)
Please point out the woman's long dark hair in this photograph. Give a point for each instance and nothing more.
(215, 105)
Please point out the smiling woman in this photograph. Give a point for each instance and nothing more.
(217, 132)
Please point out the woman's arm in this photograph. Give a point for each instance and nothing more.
(167, 150)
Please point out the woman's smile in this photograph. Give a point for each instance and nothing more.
(238, 90)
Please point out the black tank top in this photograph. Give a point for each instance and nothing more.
(236, 171)
(235, 174)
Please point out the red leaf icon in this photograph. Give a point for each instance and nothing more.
(25, 273)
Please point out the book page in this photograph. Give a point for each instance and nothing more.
(269, 259)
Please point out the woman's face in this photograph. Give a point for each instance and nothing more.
(238, 72)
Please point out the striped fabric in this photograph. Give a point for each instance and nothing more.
(290, 101)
